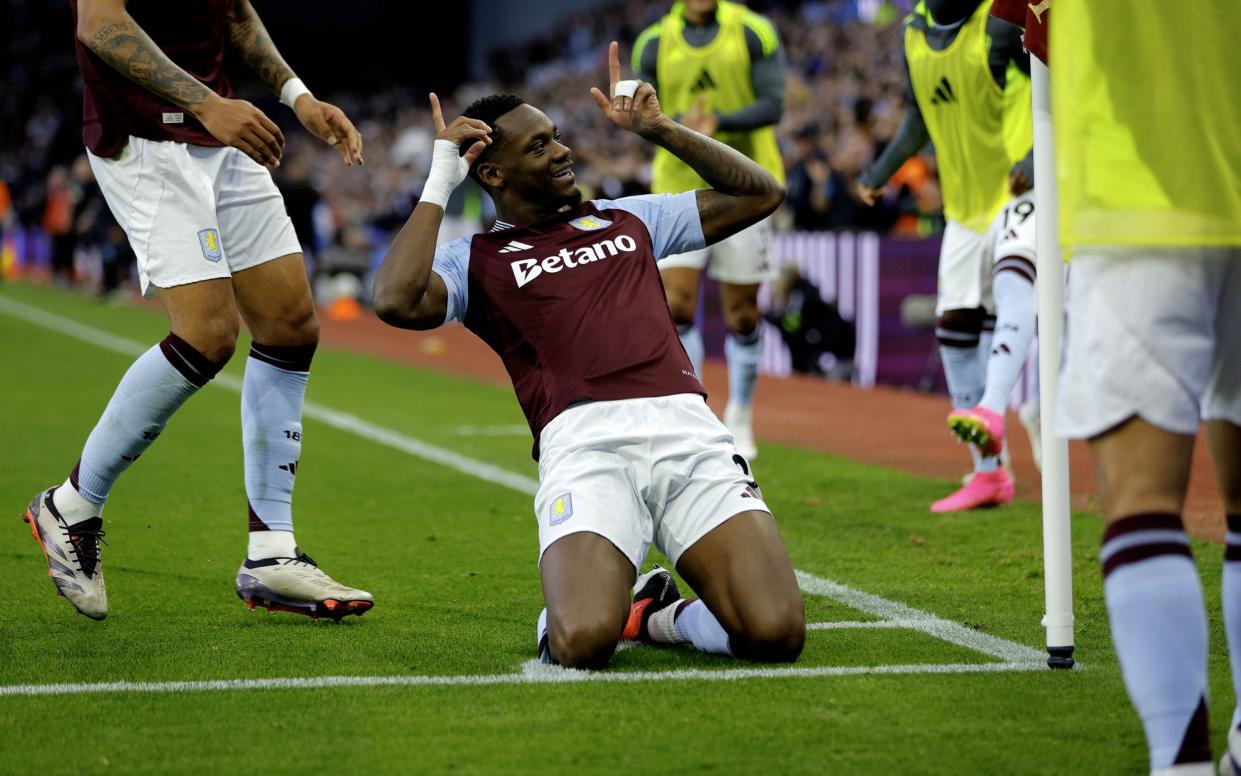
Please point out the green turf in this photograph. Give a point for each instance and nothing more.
(451, 560)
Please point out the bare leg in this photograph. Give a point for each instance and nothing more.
(204, 315)
(743, 574)
(1142, 469)
(1224, 442)
(681, 288)
(587, 584)
(276, 303)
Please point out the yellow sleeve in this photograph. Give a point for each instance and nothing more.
(764, 29)
(641, 43)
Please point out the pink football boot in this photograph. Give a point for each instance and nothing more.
(978, 426)
(985, 489)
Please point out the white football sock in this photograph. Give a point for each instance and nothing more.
(154, 387)
(691, 340)
(963, 371)
(742, 352)
(1014, 330)
(272, 395)
(544, 647)
(696, 624)
(271, 544)
(1159, 629)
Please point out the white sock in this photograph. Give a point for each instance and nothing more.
(154, 387)
(1159, 629)
(1232, 606)
(272, 395)
(544, 646)
(72, 506)
(691, 340)
(696, 624)
(742, 352)
(271, 544)
(1014, 330)
(963, 370)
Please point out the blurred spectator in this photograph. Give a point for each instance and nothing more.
(845, 97)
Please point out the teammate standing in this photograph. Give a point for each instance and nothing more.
(719, 69)
(567, 293)
(970, 96)
(1147, 115)
(183, 167)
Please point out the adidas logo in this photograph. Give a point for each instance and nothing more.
(291, 468)
(515, 246)
(704, 82)
(943, 93)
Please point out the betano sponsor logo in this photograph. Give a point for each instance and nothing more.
(526, 270)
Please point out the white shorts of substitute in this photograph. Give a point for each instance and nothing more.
(193, 213)
(743, 259)
(1153, 333)
(660, 470)
(967, 259)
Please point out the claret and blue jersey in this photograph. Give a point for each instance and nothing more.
(574, 305)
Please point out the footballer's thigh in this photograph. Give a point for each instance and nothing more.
(204, 315)
(587, 585)
(741, 570)
(275, 300)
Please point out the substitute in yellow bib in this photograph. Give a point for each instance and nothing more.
(719, 69)
(1147, 119)
(969, 95)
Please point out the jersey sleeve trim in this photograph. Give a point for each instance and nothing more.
(452, 264)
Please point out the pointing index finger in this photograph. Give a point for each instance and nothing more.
(436, 114)
(614, 69)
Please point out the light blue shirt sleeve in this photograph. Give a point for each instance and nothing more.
(672, 220)
(452, 264)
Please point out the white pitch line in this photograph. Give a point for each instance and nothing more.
(944, 630)
(532, 673)
(1010, 652)
(861, 624)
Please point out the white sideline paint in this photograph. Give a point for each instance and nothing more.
(532, 672)
(891, 614)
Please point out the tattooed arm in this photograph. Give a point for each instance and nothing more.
(107, 29)
(742, 192)
(249, 37)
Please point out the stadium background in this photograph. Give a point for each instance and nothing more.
(461, 598)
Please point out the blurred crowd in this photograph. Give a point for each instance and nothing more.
(846, 92)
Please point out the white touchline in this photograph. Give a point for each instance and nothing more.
(531, 673)
(891, 614)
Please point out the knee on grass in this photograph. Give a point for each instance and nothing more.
(584, 644)
(776, 636)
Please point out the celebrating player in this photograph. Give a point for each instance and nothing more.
(1147, 114)
(718, 68)
(970, 96)
(183, 167)
(568, 294)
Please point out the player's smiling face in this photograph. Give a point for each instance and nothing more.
(535, 165)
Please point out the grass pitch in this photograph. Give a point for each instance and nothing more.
(451, 561)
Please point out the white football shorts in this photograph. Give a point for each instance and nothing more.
(659, 470)
(1153, 333)
(743, 259)
(193, 213)
(968, 259)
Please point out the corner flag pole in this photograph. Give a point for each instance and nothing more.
(1057, 537)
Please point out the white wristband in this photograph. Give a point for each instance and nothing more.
(448, 170)
(292, 89)
(626, 88)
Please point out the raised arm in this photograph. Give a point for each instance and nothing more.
(742, 192)
(407, 293)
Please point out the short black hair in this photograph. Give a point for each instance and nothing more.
(488, 109)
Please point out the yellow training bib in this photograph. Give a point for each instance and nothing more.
(720, 71)
(1147, 112)
(979, 130)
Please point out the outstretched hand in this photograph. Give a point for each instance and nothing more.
(330, 124)
(640, 113)
(461, 130)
